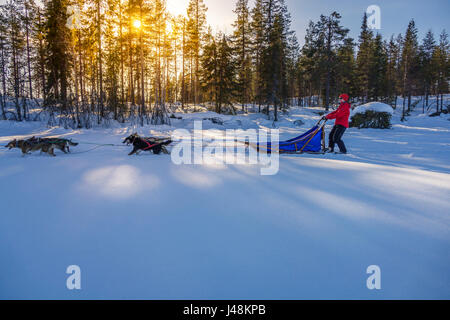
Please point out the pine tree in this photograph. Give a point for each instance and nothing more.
(59, 62)
(159, 27)
(113, 56)
(292, 55)
(209, 74)
(274, 54)
(219, 71)
(28, 14)
(39, 66)
(392, 71)
(425, 56)
(196, 25)
(241, 44)
(310, 62)
(273, 66)
(441, 68)
(3, 57)
(333, 34)
(227, 73)
(409, 64)
(363, 59)
(17, 45)
(258, 43)
(345, 68)
(378, 68)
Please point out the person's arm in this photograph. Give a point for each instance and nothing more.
(341, 111)
(333, 114)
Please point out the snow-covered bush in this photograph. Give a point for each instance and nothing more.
(372, 115)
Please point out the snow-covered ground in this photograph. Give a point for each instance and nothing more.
(143, 227)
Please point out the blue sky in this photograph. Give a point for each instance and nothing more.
(395, 14)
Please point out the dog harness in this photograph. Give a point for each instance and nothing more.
(149, 145)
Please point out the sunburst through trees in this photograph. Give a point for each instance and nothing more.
(96, 61)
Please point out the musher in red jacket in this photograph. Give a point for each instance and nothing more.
(341, 124)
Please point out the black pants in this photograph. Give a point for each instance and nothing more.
(336, 137)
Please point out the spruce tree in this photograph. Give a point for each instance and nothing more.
(219, 71)
(345, 68)
(333, 34)
(59, 62)
(241, 45)
(441, 68)
(196, 13)
(363, 59)
(425, 59)
(392, 70)
(3, 58)
(17, 46)
(258, 43)
(378, 68)
(409, 64)
(226, 74)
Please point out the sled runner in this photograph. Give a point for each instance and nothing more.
(312, 141)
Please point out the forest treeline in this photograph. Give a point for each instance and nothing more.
(99, 60)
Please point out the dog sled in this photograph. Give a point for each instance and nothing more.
(312, 141)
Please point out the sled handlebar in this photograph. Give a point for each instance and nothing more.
(321, 119)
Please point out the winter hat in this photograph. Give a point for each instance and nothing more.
(344, 96)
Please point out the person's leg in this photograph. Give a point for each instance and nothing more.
(339, 132)
(331, 140)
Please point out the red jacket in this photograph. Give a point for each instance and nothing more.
(341, 114)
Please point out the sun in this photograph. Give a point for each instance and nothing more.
(137, 24)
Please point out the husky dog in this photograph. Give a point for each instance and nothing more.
(129, 140)
(146, 144)
(27, 147)
(14, 144)
(44, 147)
(59, 143)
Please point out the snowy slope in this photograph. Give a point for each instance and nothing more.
(142, 227)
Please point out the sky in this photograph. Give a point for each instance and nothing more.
(395, 14)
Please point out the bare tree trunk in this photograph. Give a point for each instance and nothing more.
(176, 71)
(28, 52)
(16, 83)
(99, 31)
(121, 59)
(42, 63)
(183, 80)
(142, 72)
(3, 101)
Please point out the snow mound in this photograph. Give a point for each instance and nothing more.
(373, 106)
